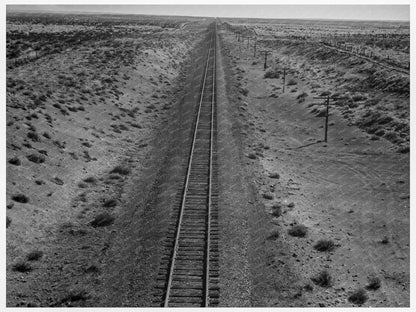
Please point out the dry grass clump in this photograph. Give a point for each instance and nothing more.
(90, 180)
(298, 230)
(385, 240)
(268, 195)
(273, 235)
(301, 97)
(319, 111)
(92, 268)
(82, 185)
(391, 136)
(33, 136)
(252, 156)
(325, 93)
(243, 91)
(271, 74)
(277, 210)
(292, 82)
(359, 97)
(102, 219)
(274, 175)
(75, 295)
(403, 149)
(8, 221)
(308, 287)
(15, 161)
(34, 255)
(359, 296)
(374, 283)
(114, 177)
(20, 198)
(324, 245)
(21, 266)
(121, 170)
(323, 279)
(57, 181)
(110, 203)
(35, 158)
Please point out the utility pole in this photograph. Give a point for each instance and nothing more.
(266, 53)
(326, 119)
(255, 46)
(248, 41)
(284, 80)
(327, 99)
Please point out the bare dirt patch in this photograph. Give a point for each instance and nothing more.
(79, 131)
(353, 190)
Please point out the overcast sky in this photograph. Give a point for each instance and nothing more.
(357, 12)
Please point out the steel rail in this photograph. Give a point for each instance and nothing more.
(206, 299)
(184, 195)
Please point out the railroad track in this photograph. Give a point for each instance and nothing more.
(188, 272)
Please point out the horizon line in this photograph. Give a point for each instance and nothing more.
(26, 10)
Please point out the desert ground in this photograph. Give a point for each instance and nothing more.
(99, 110)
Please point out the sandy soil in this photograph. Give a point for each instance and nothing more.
(353, 191)
(89, 117)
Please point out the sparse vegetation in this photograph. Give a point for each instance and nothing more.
(308, 287)
(86, 85)
(298, 230)
(374, 283)
(102, 219)
(82, 185)
(114, 177)
(121, 170)
(277, 210)
(20, 198)
(403, 149)
(324, 245)
(57, 181)
(90, 180)
(273, 235)
(243, 91)
(92, 268)
(21, 266)
(75, 295)
(33, 136)
(15, 161)
(271, 74)
(301, 97)
(34, 255)
(359, 296)
(292, 82)
(322, 279)
(274, 175)
(385, 240)
(110, 203)
(36, 158)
